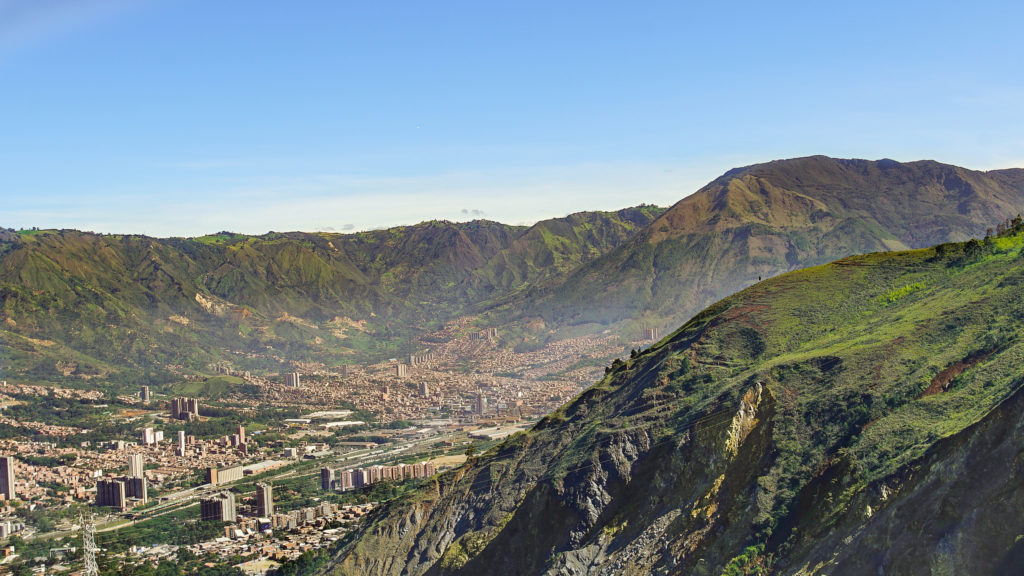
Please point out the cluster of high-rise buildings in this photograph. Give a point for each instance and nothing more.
(151, 436)
(184, 408)
(292, 380)
(223, 507)
(222, 368)
(124, 491)
(424, 358)
(356, 478)
(7, 528)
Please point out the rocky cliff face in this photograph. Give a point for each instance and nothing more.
(786, 430)
(955, 511)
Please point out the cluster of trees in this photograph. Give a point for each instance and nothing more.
(1011, 227)
(186, 563)
(308, 563)
(161, 531)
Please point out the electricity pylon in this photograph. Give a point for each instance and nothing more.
(89, 545)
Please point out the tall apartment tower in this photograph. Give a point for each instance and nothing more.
(264, 499)
(7, 477)
(481, 403)
(219, 507)
(112, 493)
(135, 466)
(136, 488)
(345, 481)
(424, 389)
(292, 380)
(184, 408)
(145, 395)
(241, 434)
(181, 443)
(326, 479)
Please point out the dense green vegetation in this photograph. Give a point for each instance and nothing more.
(108, 310)
(181, 527)
(185, 563)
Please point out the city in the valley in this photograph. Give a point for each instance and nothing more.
(263, 468)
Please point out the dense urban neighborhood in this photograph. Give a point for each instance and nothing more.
(265, 485)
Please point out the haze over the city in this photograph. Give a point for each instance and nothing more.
(184, 118)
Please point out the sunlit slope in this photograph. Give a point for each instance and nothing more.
(846, 407)
(761, 220)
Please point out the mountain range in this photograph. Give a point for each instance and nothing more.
(121, 308)
(77, 305)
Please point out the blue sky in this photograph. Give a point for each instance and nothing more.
(185, 117)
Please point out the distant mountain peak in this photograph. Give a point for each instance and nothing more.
(759, 220)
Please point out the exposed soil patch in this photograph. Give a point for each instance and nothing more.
(940, 383)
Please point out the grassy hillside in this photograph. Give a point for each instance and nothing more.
(820, 412)
(758, 221)
(79, 306)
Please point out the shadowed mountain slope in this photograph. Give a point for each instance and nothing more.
(859, 417)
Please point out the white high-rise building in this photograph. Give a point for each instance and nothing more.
(135, 466)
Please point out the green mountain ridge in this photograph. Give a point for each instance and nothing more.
(858, 417)
(82, 305)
